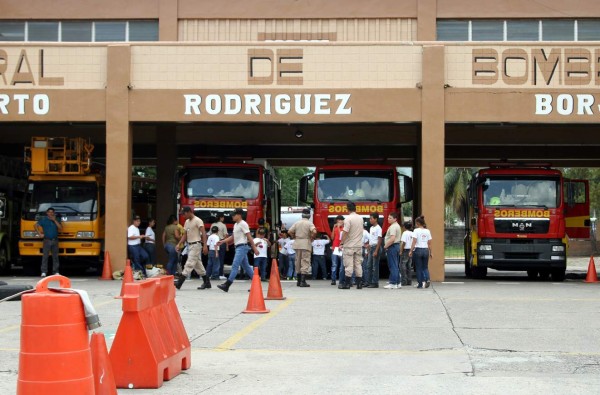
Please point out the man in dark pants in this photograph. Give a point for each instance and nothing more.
(223, 247)
(243, 242)
(48, 228)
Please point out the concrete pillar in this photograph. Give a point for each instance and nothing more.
(167, 20)
(166, 165)
(432, 154)
(426, 20)
(119, 142)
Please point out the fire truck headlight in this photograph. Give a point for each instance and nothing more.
(486, 257)
(558, 248)
(485, 247)
(556, 258)
(85, 235)
(30, 233)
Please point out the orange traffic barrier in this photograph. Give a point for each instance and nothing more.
(104, 379)
(592, 276)
(127, 278)
(256, 302)
(106, 268)
(274, 292)
(55, 354)
(151, 344)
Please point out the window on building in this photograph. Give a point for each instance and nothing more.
(76, 31)
(487, 30)
(523, 30)
(12, 31)
(452, 30)
(111, 31)
(558, 30)
(143, 31)
(588, 30)
(42, 31)
(79, 31)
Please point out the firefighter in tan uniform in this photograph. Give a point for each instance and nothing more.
(352, 236)
(303, 233)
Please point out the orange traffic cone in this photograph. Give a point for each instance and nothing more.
(591, 277)
(127, 278)
(107, 268)
(104, 379)
(274, 292)
(256, 302)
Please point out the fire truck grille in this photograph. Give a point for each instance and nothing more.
(521, 225)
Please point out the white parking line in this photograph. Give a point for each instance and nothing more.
(453, 282)
(508, 283)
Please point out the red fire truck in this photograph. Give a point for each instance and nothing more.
(209, 188)
(373, 188)
(518, 218)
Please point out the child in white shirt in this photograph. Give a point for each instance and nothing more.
(318, 255)
(291, 253)
(260, 260)
(214, 264)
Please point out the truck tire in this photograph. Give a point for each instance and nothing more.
(479, 272)
(559, 275)
(544, 275)
(4, 261)
(468, 271)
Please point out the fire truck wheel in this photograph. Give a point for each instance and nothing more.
(479, 272)
(544, 275)
(532, 274)
(468, 272)
(558, 275)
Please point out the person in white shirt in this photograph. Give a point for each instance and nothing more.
(260, 259)
(371, 277)
(365, 254)
(139, 256)
(283, 255)
(214, 262)
(405, 260)
(318, 255)
(150, 241)
(421, 251)
(289, 247)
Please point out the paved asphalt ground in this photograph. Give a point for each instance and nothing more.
(502, 335)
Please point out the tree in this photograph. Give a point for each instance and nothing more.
(289, 177)
(456, 180)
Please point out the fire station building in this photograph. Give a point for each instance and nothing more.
(421, 83)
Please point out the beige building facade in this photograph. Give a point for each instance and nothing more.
(428, 83)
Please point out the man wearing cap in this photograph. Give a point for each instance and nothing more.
(48, 228)
(352, 237)
(195, 235)
(242, 239)
(303, 233)
(222, 235)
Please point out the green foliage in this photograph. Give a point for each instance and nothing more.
(289, 177)
(456, 180)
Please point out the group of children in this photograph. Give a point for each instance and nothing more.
(287, 255)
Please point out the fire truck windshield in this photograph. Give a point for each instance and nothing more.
(75, 200)
(222, 183)
(521, 192)
(356, 185)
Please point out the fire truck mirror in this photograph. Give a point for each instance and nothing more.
(303, 189)
(2, 207)
(406, 185)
